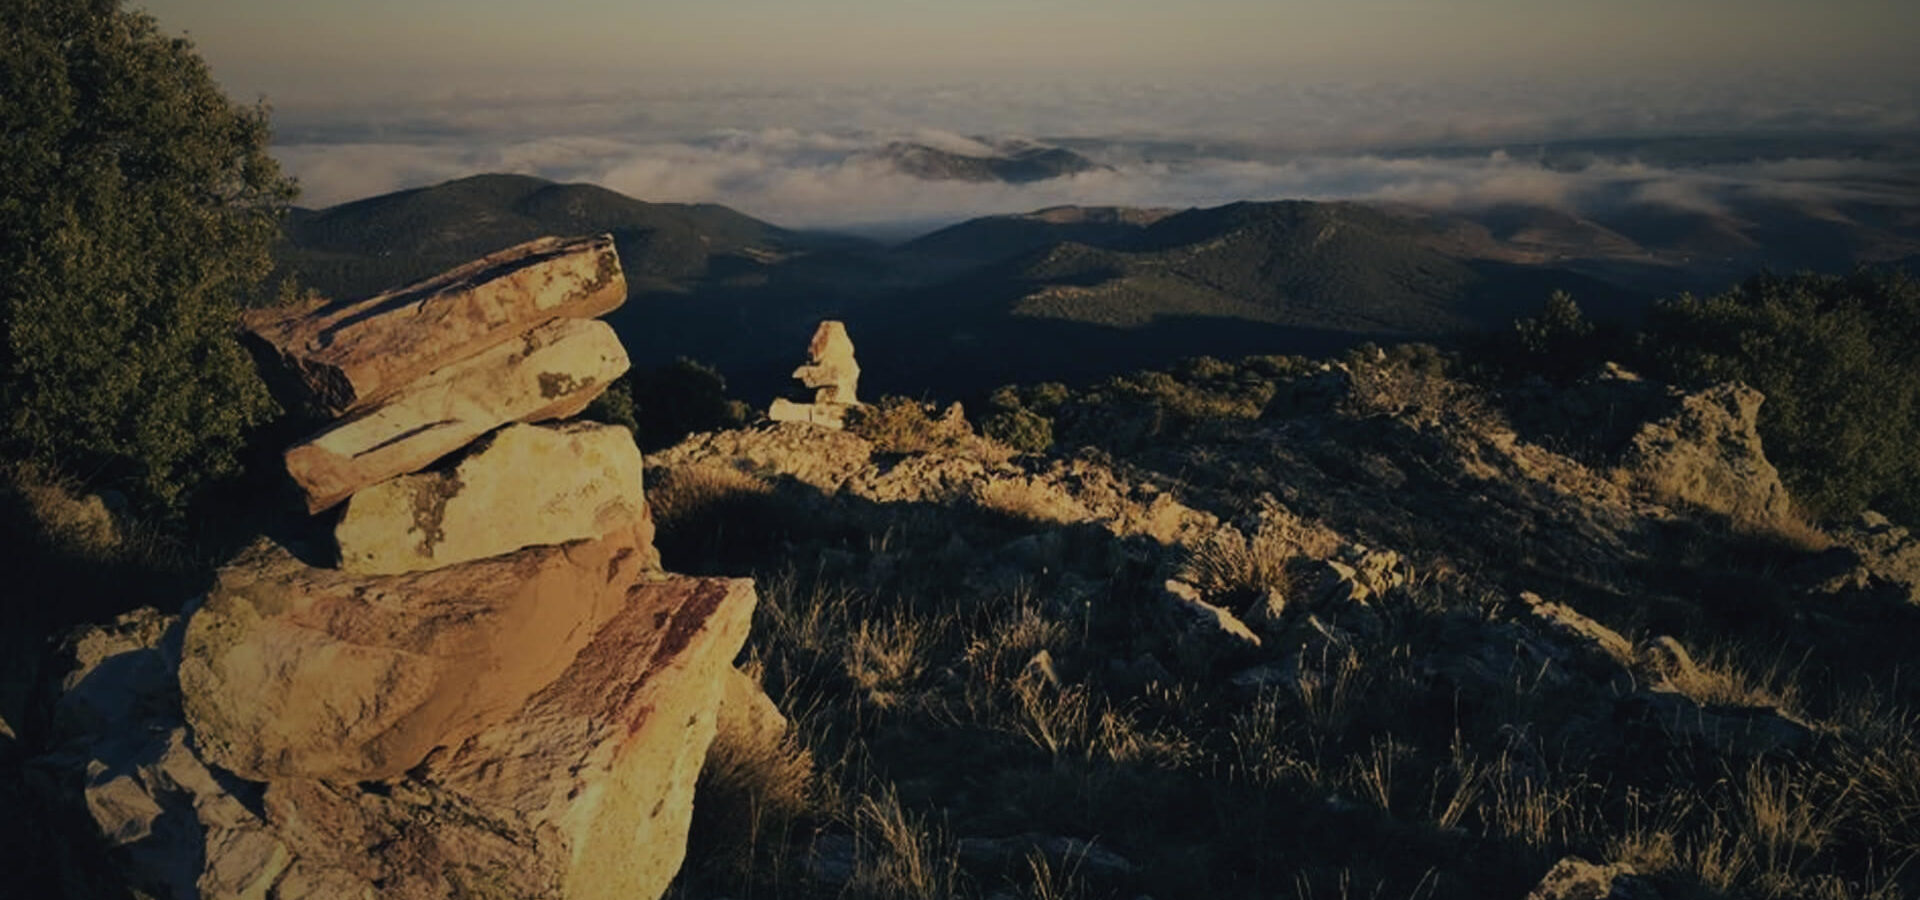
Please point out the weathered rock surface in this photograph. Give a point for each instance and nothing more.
(1707, 454)
(1574, 878)
(294, 671)
(349, 355)
(605, 758)
(581, 791)
(1207, 633)
(522, 486)
(550, 372)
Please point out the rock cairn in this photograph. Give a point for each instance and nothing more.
(831, 372)
(494, 693)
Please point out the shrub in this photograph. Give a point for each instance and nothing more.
(1021, 429)
(138, 210)
(900, 425)
(678, 399)
(1835, 358)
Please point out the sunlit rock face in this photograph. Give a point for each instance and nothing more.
(833, 375)
(293, 670)
(521, 486)
(551, 372)
(348, 356)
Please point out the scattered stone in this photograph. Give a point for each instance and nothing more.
(1206, 634)
(1888, 554)
(1340, 585)
(293, 671)
(1268, 613)
(1739, 731)
(350, 355)
(1669, 660)
(833, 374)
(522, 486)
(1574, 878)
(1580, 634)
(1379, 571)
(551, 372)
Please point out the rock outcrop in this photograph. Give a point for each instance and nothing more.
(833, 374)
(1706, 453)
(496, 693)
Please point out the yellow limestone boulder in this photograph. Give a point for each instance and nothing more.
(288, 670)
(521, 486)
(349, 355)
(551, 372)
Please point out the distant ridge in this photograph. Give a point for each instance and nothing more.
(1012, 162)
(380, 242)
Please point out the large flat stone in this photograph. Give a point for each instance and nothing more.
(349, 355)
(551, 372)
(607, 756)
(522, 486)
(293, 671)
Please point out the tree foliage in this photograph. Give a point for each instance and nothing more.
(138, 211)
(1838, 358)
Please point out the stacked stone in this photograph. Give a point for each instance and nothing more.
(495, 692)
(831, 372)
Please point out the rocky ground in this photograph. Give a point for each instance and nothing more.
(1307, 629)
(1381, 635)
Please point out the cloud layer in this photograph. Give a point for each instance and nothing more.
(796, 156)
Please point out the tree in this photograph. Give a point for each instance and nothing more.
(138, 211)
(1836, 358)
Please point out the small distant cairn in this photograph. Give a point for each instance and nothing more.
(833, 374)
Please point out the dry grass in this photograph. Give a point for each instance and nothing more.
(1030, 501)
(702, 491)
(1723, 676)
(900, 425)
(885, 659)
(901, 856)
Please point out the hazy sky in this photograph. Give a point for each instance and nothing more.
(775, 106)
(298, 51)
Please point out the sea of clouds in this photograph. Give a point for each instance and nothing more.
(801, 156)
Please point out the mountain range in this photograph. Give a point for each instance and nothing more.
(1077, 293)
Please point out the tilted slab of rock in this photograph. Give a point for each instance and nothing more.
(522, 486)
(293, 671)
(606, 757)
(551, 372)
(349, 355)
(824, 414)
